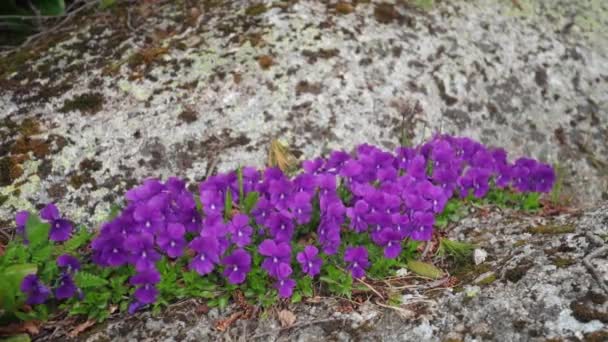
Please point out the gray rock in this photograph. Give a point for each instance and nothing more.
(214, 90)
(536, 296)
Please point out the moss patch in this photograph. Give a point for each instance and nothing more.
(386, 13)
(265, 62)
(188, 115)
(24, 145)
(256, 9)
(584, 312)
(89, 103)
(344, 8)
(9, 171)
(515, 274)
(562, 262)
(552, 229)
(597, 336)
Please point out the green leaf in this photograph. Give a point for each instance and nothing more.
(10, 281)
(107, 3)
(239, 173)
(80, 239)
(42, 254)
(37, 232)
(50, 7)
(17, 338)
(228, 205)
(15, 253)
(250, 201)
(424, 269)
(531, 201)
(86, 280)
(461, 251)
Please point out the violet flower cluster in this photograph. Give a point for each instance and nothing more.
(391, 196)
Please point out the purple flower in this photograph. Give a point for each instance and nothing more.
(213, 202)
(432, 194)
(61, 229)
(36, 292)
(401, 224)
(336, 161)
(391, 240)
(149, 217)
(66, 288)
(404, 157)
(192, 221)
(146, 281)
(251, 178)
(304, 182)
(276, 253)
(262, 211)
(327, 184)
(314, 166)
(301, 207)
(143, 255)
(21, 220)
(351, 170)
(214, 227)
(543, 178)
(284, 284)
(281, 226)
(147, 190)
(280, 193)
(171, 240)
(309, 261)
(357, 215)
(236, 266)
(475, 179)
(240, 230)
(422, 226)
(109, 250)
(68, 263)
(207, 256)
(356, 259)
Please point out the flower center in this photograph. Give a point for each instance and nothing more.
(275, 260)
(148, 224)
(172, 243)
(240, 234)
(236, 268)
(202, 257)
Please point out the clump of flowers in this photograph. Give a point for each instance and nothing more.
(389, 197)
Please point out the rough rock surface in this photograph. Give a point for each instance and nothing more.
(532, 286)
(178, 87)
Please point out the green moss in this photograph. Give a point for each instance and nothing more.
(520, 243)
(468, 272)
(3, 198)
(489, 279)
(29, 127)
(89, 103)
(255, 10)
(552, 229)
(562, 262)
